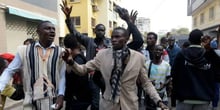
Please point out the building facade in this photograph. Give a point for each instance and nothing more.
(86, 14)
(19, 19)
(143, 24)
(205, 15)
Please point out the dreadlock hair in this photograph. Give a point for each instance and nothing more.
(70, 41)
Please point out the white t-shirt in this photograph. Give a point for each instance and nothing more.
(158, 74)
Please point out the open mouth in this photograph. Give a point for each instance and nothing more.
(51, 37)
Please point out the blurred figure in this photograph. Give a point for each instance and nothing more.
(206, 42)
(159, 73)
(173, 49)
(194, 74)
(12, 90)
(209, 44)
(164, 42)
(3, 65)
(78, 94)
(28, 41)
(168, 34)
(186, 44)
(151, 42)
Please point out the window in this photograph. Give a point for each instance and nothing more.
(110, 24)
(195, 21)
(211, 13)
(202, 17)
(93, 1)
(93, 23)
(76, 20)
(74, 0)
(110, 5)
(189, 2)
(114, 24)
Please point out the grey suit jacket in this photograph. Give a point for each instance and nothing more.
(135, 69)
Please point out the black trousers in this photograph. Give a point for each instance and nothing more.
(76, 105)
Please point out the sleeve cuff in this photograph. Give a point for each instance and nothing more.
(217, 52)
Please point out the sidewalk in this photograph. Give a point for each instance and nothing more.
(17, 105)
(13, 105)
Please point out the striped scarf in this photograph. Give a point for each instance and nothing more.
(119, 57)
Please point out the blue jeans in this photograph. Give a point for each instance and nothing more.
(216, 97)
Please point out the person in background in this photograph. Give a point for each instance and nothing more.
(173, 49)
(28, 41)
(13, 91)
(78, 93)
(9, 89)
(185, 44)
(194, 72)
(164, 42)
(209, 44)
(151, 42)
(159, 74)
(168, 34)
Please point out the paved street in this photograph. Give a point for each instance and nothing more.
(17, 105)
(13, 105)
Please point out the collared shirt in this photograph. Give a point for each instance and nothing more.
(16, 64)
(172, 52)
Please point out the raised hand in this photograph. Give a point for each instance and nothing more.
(133, 16)
(66, 10)
(59, 102)
(123, 13)
(66, 55)
(163, 106)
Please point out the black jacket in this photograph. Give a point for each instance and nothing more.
(193, 74)
(78, 87)
(90, 45)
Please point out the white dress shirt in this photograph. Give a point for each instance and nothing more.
(16, 64)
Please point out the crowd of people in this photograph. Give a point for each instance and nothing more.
(112, 74)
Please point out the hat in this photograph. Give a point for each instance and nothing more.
(9, 57)
(195, 36)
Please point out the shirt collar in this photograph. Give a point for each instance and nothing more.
(37, 44)
(199, 46)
